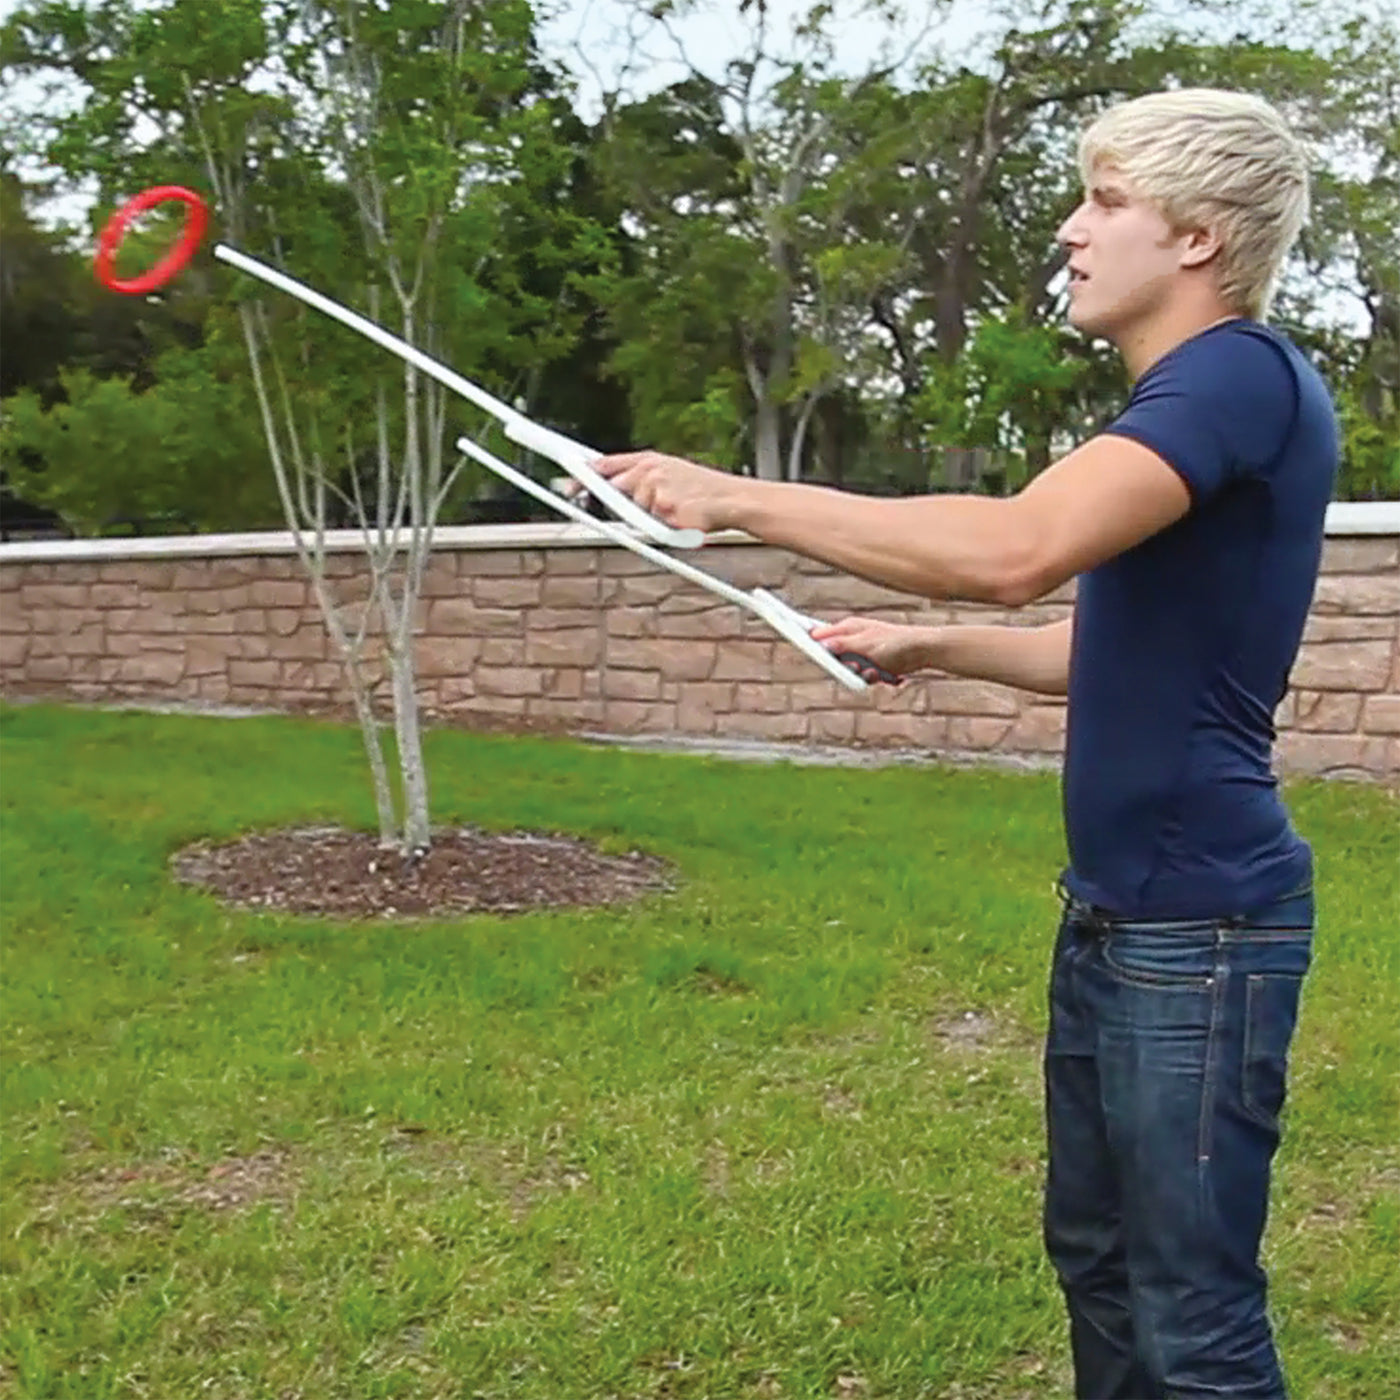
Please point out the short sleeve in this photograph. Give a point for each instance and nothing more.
(1216, 409)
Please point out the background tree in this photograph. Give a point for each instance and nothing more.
(378, 151)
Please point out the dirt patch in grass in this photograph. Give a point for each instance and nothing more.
(233, 1183)
(965, 1030)
(347, 874)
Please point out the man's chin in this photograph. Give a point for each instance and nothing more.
(1086, 323)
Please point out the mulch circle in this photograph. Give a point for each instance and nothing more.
(348, 874)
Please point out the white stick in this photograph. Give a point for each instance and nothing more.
(573, 457)
(608, 528)
(792, 626)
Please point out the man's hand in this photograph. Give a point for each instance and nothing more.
(683, 494)
(1029, 658)
(895, 647)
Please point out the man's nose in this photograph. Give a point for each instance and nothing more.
(1071, 233)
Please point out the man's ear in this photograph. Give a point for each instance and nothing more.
(1199, 247)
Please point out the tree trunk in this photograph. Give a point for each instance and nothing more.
(768, 440)
(374, 750)
(417, 836)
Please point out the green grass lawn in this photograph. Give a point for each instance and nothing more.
(743, 1139)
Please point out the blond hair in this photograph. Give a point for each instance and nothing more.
(1226, 161)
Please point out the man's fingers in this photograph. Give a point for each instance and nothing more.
(617, 462)
(843, 630)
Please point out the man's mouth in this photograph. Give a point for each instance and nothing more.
(1077, 275)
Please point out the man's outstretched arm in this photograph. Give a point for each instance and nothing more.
(1102, 498)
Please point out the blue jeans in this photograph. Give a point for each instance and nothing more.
(1165, 1066)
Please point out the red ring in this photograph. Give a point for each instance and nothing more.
(111, 236)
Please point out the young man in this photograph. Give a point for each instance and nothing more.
(1194, 525)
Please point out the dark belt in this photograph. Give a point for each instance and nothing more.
(1101, 920)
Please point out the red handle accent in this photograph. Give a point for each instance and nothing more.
(109, 240)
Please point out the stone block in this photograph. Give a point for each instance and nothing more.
(282, 622)
(631, 653)
(204, 658)
(631, 685)
(1381, 714)
(552, 619)
(835, 597)
(49, 668)
(639, 717)
(1360, 556)
(617, 562)
(758, 697)
(702, 705)
(710, 622)
(745, 724)
(1326, 712)
(89, 640)
(503, 651)
(192, 575)
(746, 567)
(789, 664)
(643, 590)
(151, 576)
(966, 697)
(299, 677)
(687, 598)
(578, 646)
(896, 699)
(574, 562)
(1037, 729)
(446, 656)
(831, 726)
(1332, 755)
(977, 732)
(506, 592)
(1352, 594)
(508, 681)
(743, 661)
(563, 683)
(255, 674)
(818, 692)
(202, 602)
(569, 591)
(560, 713)
(500, 563)
(115, 595)
(278, 593)
(681, 660)
(1343, 666)
(493, 713)
(459, 617)
(53, 597)
(440, 579)
(1323, 627)
(899, 730)
(629, 622)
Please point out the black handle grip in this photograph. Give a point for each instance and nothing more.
(859, 663)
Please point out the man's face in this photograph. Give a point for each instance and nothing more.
(1123, 257)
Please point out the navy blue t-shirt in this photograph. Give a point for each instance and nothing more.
(1183, 644)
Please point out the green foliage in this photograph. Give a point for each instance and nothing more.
(189, 447)
(709, 262)
(1370, 450)
(1010, 388)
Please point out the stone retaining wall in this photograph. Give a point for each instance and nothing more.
(539, 628)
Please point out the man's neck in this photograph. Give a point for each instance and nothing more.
(1141, 346)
